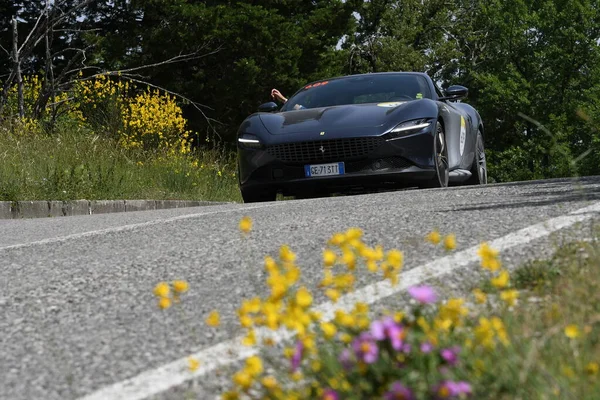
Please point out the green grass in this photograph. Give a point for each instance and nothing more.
(542, 362)
(80, 165)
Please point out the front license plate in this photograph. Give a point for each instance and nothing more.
(324, 169)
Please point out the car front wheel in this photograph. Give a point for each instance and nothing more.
(440, 151)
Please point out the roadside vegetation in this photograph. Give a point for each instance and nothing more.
(107, 139)
(532, 334)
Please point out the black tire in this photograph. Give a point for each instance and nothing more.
(258, 195)
(479, 167)
(440, 151)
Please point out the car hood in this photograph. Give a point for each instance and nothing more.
(332, 118)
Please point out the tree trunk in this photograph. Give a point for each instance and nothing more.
(17, 67)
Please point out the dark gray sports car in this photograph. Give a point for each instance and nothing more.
(352, 133)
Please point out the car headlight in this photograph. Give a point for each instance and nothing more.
(249, 141)
(408, 128)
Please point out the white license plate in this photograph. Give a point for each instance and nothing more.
(324, 169)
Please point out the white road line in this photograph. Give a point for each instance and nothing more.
(132, 227)
(158, 380)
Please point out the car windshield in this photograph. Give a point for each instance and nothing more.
(360, 89)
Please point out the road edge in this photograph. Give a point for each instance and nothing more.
(45, 209)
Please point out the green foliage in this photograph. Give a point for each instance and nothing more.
(533, 68)
(78, 164)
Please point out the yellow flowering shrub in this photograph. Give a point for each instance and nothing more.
(62, 108)
(153, 120)
(145, 120)
(148, 120)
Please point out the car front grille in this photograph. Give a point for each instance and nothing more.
(325, 150)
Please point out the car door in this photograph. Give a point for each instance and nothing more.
(459, 136)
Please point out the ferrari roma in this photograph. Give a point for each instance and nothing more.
(353, 133)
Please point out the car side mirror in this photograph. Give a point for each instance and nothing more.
(455, 92)
(268, 107)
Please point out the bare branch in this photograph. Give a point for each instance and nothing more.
(176, 59)
(35, 26)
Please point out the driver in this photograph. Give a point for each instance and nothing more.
(276, 95)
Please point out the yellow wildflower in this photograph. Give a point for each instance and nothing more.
(329, 258)
(454, 311)
(434, 237)
(489, 257)
(361, 308)
(315, 365)
(501, 281)
(251, 306)
(246, 321)
(480, 296)
(510, 297)
(349, 259)
(213, 319)
(568, 371)
(450, 242)
(354, 233)
(230, 395)
(286, 254)
(269, 382)
(328, 279)
(254, 366)
(395, 258)
(329, 330)
(250, 339)
(398, 317)
(372, 266)
(162, 289)
(180, 286)
(246, 224)
(484, 333)
(303, 298)
(193, 364)
(243, 379)
(572, 331)
(270, 264)
(333, 294)
(500, 330)
(297, 376)
(346, 338)
(592, 368)
(337, 239)
(164, 303)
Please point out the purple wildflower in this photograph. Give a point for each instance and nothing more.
(388, 328)
(346, 359)
(330, 394)
(365, 348)
(426, 347)
(423, 294)
(450, 389)
(399, 392)
(450, 355)
(406, 348)
(297, 356)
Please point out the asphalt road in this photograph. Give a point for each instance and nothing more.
(77, 312)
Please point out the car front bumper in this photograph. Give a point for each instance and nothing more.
(401, 162)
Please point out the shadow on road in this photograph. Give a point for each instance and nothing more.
(543, 194)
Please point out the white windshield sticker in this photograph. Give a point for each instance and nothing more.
(391, 104)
